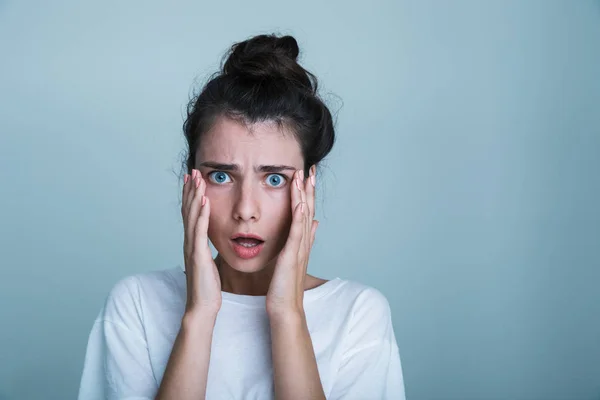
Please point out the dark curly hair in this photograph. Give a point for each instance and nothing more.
(261, 80)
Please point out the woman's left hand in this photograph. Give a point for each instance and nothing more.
(286, 291)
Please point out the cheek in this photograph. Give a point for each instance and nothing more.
(218, 208)
(213, 226)
(281, 215)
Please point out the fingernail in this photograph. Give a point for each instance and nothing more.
(186, 177)
(313, 180)
(301, 173)
(197, 182)
(203, 200)
(193, 174)
(298, 184)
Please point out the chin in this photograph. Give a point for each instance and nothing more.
(243, 265)
(246, 266)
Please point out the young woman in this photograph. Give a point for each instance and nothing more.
(250, 323)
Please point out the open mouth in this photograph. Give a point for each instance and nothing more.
(248, 242)
(247, 246)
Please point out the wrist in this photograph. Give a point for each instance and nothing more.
(288, 316)
(192, 319)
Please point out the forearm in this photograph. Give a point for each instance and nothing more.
(295, 370)
(186, 372)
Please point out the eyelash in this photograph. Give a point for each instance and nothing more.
(285, 178)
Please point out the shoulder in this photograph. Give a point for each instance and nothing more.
(362, 313)
(127, 298)
(357, 306)
(367, 303)
(362, 298)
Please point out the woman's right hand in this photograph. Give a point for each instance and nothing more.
(203, 281)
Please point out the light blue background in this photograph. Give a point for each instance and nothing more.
(464, 184)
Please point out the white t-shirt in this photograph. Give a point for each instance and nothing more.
(131, 340)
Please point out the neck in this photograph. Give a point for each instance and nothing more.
(247, 283)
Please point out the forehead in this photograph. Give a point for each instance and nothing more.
(263, 143)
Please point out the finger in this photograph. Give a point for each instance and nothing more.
(309, 188)
(201, 230)
(198, 189)
(302, 182)
(186, 186)
(309, 194)
(289, 253)
(184, 197)
(306, 230)
(189, 193)
(192, 186)
(199, 240)
(296, 194)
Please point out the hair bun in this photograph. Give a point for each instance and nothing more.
(267, 56)
(289, 45)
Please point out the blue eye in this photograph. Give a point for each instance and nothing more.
(218, 177)
(275, 180)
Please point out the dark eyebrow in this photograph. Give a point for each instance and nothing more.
(275, 168)
(235, 167)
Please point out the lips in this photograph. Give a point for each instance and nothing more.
(247, 236)
(247, 242)
(247, 245)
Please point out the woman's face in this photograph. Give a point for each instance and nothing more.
(248, 176)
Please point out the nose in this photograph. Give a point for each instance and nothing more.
(246, 206)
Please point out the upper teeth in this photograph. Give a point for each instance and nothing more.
(248, 244)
